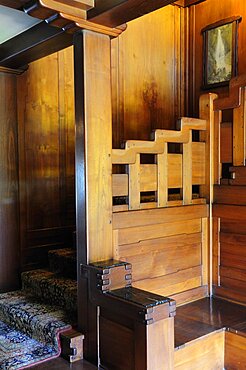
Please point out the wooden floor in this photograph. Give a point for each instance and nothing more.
(60, 364)
(206, 315)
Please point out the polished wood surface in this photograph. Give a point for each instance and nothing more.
(204, 316)
(148, 95)
(235, 349)
(9, 217)
(61, 364)
(46, 156)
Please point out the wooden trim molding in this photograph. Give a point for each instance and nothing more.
(12, 71)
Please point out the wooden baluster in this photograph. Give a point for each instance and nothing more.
(187, 171)
(134, 184)
(162, 185)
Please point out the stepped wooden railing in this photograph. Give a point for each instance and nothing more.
(169, 170)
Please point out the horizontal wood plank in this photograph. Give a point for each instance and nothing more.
(169, 261)
(233, 212)
(233, 273)
(172, 283)
(204, 353)
(156, 245)
(136, 234)
(190, 295)
(227, 194)
(229, 294)
(123, 220)
(233, 226)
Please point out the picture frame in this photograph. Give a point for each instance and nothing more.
(220, 57)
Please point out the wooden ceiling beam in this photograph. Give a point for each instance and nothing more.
(33, 44)
(112, 15)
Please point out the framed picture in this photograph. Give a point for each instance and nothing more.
(220, 52)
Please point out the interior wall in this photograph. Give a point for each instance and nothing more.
(46, 156)
(148, 74)
(201, 15)
(9, 235)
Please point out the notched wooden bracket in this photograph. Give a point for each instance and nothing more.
(107, 275)
(72, 345)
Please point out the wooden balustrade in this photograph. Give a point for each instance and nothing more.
(169, 170)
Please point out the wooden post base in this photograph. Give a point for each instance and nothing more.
(72, 345)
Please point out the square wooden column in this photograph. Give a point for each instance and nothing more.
(93, 112)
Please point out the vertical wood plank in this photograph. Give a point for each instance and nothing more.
(206, 112)
(216, 153)
(134, 184)
(160, 345)
(162, 187)
(187, 171)
(9, 217)
(205, 251)
(216, 252)
(239, 121)
(154, 345)
(98, 140)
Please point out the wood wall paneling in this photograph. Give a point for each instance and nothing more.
(46, 156)
(148, 74)
(9, 220)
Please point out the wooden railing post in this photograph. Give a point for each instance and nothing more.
(136, 327)
(93, 169)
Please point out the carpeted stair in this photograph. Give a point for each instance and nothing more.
(32, 319)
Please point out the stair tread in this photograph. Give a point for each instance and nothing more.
(26, 314)
(64, 261)
(51, 287)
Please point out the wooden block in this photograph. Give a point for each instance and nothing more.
(72, 345)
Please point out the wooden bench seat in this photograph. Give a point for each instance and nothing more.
(205, 316)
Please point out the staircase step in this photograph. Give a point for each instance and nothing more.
(64, 261)
(39, 321)
(50, 287)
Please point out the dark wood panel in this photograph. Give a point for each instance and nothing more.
(230, 195)
(233, 226)
(115, 342)
(231, 212)
(46, 156)
(9, 220)
(61, 364)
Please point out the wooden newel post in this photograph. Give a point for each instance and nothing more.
(93, 114)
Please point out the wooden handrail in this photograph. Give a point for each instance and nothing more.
(234, 98)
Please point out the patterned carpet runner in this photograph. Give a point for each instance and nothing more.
(30, 319)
